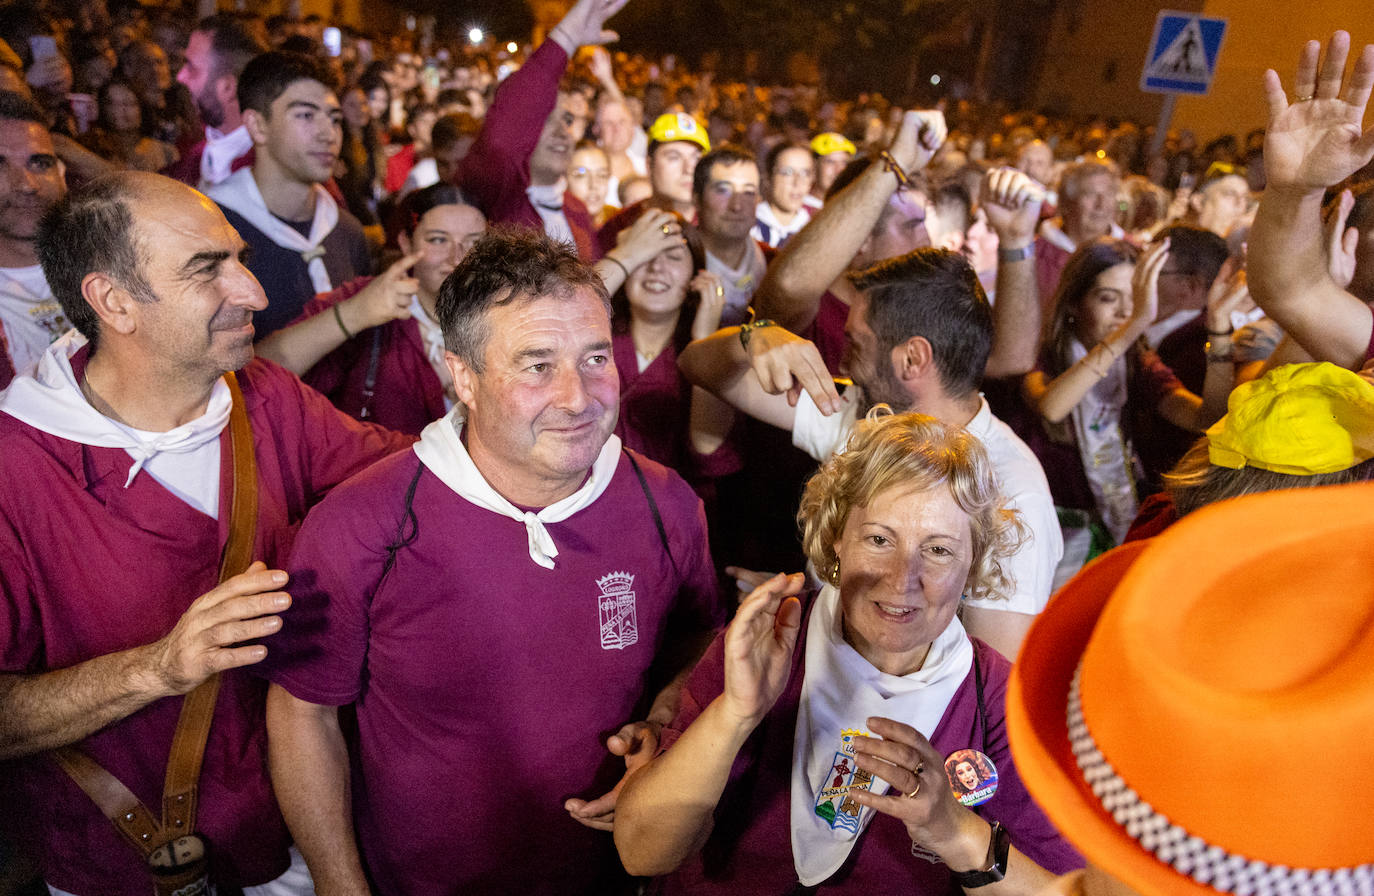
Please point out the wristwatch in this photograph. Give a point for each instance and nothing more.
(999, 847)
(1008, 256)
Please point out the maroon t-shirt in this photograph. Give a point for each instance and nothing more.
(89, 567)
(381, 375)
(484, 684)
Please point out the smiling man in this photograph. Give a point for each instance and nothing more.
(216, 53)
(31, 181)
(726, 189)
(303, 242)
(117, 475)
(492, 606)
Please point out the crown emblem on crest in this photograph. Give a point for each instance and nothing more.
(615, 582)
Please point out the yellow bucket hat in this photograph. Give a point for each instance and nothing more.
(825, 144)
(1300, 419)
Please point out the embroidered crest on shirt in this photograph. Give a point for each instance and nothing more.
(833, 802)
(619, 628)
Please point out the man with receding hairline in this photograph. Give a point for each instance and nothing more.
(115, 452)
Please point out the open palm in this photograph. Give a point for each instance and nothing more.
(1317, 140)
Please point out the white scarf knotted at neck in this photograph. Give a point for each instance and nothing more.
(840, 690)
(221, 152)
(441, 449)
(1102, 447)
(51, 401)
(547, 200)
(240, 192)
(432, 336)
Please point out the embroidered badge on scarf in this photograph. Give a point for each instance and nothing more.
(833, 802)
(619, 628)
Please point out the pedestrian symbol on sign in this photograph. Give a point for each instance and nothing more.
(1183, 54)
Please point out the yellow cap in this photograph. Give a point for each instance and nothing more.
(1300, 419)
(825, 144)
(671, 126)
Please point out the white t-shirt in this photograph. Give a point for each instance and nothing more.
(1031, 568)
(31, 317)
(739, 283)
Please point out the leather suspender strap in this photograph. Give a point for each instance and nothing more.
(179, 792)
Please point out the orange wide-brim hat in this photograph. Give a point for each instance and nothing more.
(1216, 686)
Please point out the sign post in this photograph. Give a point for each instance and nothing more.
(1182, 59)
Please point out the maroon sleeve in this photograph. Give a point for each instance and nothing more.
(1157, 381)
(496, 171)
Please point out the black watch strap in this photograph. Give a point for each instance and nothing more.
(999, 847)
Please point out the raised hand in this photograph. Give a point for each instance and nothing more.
(1341, 241)
(1229, 292)
(204, 640)
(1145, 286)
(650, 234)
(712, 292)
(583, 26)
(386, 298)
(1012, 200)
(1316, 141)
(787, 364)
(759, 645)
(918, 138)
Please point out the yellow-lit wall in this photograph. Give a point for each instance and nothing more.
(1088, 39)
(1262, 35)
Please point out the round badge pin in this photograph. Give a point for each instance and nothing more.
(972, 776)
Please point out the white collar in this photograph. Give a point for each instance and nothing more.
(441, 449)
(840, 690)
(50, 400)
(240, 192)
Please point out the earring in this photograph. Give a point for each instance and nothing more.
(1071, 319)
(835, 571)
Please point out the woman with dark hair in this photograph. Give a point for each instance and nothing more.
(665, 303)
(373, 346)
(1099, 387)
(361, 158)
(121, 133)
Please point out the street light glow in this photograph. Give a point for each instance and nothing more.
(475, 35)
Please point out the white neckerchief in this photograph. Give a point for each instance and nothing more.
(220, 153)
(764, 216)
(50, 400)
(432, 336)
(840, 690)
(441, 449)
(240, 193)
(1102, 447)
(32, 319)
(1052, 231)
(547, 200)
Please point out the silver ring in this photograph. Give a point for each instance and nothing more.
(1302, 99)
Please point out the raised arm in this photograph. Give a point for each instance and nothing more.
(1311, 144)
(666, 807)
(764, 378)
(1193, 412)
(1012, 202)
(1057, 398)
(822, 250)
(54, 709)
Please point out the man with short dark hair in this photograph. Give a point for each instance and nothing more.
(725, 188)
(117, 475)
(484, 672)
(303, 242)
(676, 144)
(32, 180)
(918, 337)
(218, 50)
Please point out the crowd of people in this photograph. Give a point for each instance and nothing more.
(483, 469)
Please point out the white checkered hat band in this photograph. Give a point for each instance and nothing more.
(1190, 855)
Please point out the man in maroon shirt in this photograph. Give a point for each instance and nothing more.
(115, 482)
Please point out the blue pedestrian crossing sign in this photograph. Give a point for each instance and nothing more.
(1183, 53)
